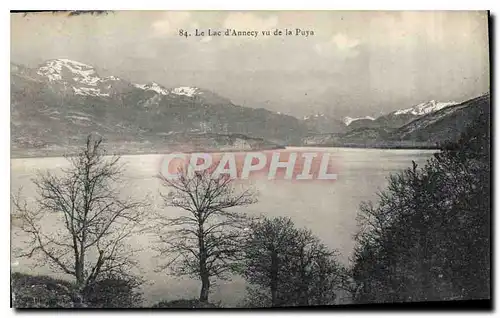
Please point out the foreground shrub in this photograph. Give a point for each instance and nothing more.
(114, 292)
(46, 292)
(40, 292)
(184, 303)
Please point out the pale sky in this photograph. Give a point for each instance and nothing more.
(355, 64)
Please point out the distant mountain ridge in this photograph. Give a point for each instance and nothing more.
(85, 80)
(58, 103)
(424, 108)
(446, 123)
(55, 105)
(322, 123)
(442, 124)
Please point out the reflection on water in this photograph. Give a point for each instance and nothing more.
(327, 208)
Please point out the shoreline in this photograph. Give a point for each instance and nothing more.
(358, 146)
(56, 154)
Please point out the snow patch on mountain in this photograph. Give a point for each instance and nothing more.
(186, 91)
(348, 120)
(424, 108)
(88, 91)
(314, 116)
(183, 90)
(153, 87)
(52, 70)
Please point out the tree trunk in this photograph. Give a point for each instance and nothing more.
(274, 296)
(78, 292)
(205, 288)
(79, 273)
(205, 278)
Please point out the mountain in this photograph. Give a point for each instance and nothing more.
(396, 118)
(423, 108)
(57, 104)
(321, 123)
(445, 123)
(429, 128)
(402, 117)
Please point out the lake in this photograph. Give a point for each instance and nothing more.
(327, 208)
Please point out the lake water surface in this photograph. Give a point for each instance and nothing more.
(327, 208)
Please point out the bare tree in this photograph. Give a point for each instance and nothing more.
(89, 241)
(205, 242)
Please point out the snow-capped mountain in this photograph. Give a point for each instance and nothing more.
(404, 116)
(399, 117)
(444, 123)
(424, 108)
(84, 80)
(63, 100)
(424, 126)
(54, 70)
(81, 78)
(396, 118)
(348, 120)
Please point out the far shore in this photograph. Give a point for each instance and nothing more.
(50, 153)
(53, 153)
(399, 147)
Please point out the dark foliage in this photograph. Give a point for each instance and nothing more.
(184, 303)
(428, 238)
(41, 292)
(288, 266)
(114, 292)
(29, 291)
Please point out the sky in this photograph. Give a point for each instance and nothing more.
(340, 63)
